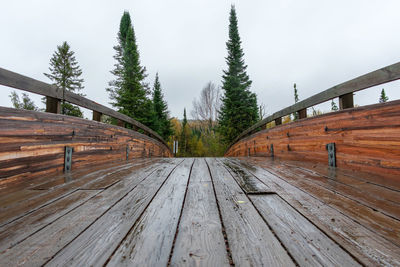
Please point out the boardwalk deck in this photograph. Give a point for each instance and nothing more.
(201, 212)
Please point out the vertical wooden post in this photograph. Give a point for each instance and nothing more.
(346, 101)
(96, 115)
(278, 121)
(303, 113)
(53, 105)
(121, 123)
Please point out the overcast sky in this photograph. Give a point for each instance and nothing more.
(317, 44)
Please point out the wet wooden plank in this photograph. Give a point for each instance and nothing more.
(150, 241)
(44, 244)
(351, 189)
(365, 245)
(17, 231)
(250, 240)
(249, 183)
(97, 243)
(200, 241)
(373, 185)
(386, 226)
(305, 242)
(36, 199)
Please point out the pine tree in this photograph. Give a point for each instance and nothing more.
(239, 108)
(184, 135)
(296, 99)
(383, 97)
(129, 92)
(65, 74)
(334, 107)
(26, 103)
(162, 125)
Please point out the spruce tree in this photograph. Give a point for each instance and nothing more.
(184, 134)
(296, 99)
(26, 102)
(239, 108)
(65, 73)
(383, 97)
(334, 107)
(129, 92)
(162, 125)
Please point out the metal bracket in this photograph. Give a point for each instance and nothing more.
(272, 150)
(68, 159)
(127, 152)
(331, 154)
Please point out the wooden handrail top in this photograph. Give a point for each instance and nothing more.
(384, 75)
(18, 81)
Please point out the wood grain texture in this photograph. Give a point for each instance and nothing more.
(17, 231)
(305, 242)
(246, 181)
(250, 240)
(380, 76)
(365, 245)
(150, 241)
(97, 243)
(40, 247)
(200, 241)
(17, 204)
(18, 81)
(33, 143)
(343, 201)
(367, 139)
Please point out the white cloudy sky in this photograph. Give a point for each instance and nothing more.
(315, 43)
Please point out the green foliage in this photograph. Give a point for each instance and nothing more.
(65, 73)
(383, 98)
(26, 102)
(185, 136)
(334, 107)
(161, 124)
(129, 92)
(239, 108)
(296, 99)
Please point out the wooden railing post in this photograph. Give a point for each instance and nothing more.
(121, 123)
(53, 105)
(303, 113)
(346, 101)
(278, 121)
(96, 115)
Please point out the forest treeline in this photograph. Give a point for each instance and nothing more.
(219, 113)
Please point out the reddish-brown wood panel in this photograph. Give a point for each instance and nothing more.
(366, 138)
(33, 143)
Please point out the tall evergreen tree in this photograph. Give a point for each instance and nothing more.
(334, 107)
(296, 99)
(184, 135)
(129, 92)
(26, 102)
(162, 125)
(383, 98)
(239, 108)
(65, 73)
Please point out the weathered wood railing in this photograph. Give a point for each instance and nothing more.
(38, 143)
(55, 95)
(366, 138)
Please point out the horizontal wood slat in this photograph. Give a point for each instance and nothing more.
(367, 139)
(18, 81)
(374, 78)
(33, 143)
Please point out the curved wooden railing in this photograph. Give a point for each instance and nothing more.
(366, 138)
(344, 91)
(37, 143)
(55, 95)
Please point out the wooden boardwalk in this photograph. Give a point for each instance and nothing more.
(201, 212)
